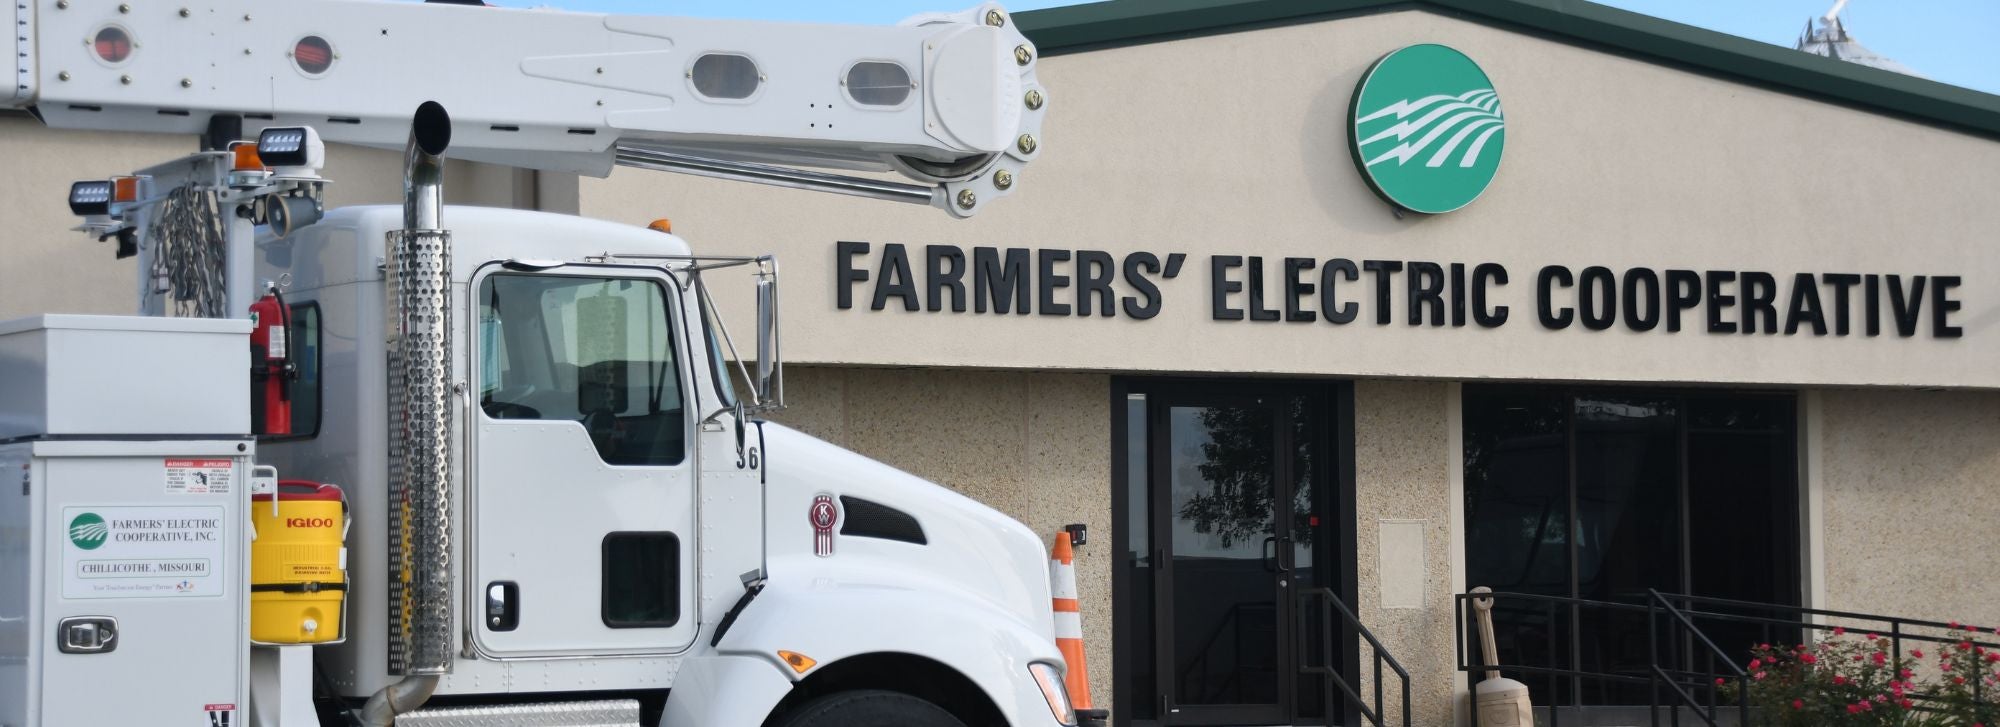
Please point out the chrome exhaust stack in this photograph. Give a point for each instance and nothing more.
(418, 277)
(423, 168)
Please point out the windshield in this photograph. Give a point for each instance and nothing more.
(594, 350)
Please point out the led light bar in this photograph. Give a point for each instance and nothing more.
(90, 198)
(282, 147)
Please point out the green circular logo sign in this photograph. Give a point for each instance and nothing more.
(1427, 129)
(88, 531)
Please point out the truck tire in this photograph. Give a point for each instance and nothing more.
(870, 708)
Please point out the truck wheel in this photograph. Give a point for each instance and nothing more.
(870, 708)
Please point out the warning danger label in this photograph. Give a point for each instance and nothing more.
(199, 476)
(220, 715)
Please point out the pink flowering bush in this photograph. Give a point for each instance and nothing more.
(1846, 680)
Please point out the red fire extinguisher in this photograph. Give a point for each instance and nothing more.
(271, 369)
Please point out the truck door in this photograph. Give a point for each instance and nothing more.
(582, 490)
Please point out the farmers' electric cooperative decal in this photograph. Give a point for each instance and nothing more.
(1341, 291)
(143, 552)
(1426, 129)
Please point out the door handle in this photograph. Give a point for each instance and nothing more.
(503, 606)
(87, 635)
(1274, 555)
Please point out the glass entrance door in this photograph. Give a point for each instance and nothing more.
(1232, 485)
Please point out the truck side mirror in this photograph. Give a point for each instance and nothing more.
(770, 369)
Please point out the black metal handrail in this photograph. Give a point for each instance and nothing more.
(1694, 690)
(1658, 603)
(1898, 628)
(1551, 606)
(1654, 676)
(1330, 674)
(1898, 631)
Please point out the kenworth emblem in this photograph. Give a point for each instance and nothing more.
(1427, 131)
(823, 516)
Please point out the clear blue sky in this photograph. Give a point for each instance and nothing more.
(1953, 41)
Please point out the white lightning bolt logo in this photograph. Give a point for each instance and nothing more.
(1473, 112)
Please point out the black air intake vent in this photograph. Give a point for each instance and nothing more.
(868, 519)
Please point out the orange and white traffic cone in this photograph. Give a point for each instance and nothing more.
(1069, 621)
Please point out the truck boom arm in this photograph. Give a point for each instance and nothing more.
(948, 100)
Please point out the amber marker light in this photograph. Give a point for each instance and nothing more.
(124, 189)
(797, 661)
(246, 157)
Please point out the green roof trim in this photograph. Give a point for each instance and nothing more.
(1080, 28)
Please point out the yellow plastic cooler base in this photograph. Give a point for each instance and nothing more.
(284, 618)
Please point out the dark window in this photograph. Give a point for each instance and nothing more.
(1603, 494)
(596, 351)
(1307, 573)
(1628, 526)
(1220, 491)
(1737, 447)
(642, 580)
(1136, 625)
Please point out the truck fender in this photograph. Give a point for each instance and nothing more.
(725, 690)
(828, 621)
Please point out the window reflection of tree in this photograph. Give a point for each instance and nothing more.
(1238, 468)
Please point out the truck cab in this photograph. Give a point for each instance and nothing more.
(626, 525)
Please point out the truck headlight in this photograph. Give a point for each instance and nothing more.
(1050, 679)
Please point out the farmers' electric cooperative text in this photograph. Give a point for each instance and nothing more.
(1341, 291)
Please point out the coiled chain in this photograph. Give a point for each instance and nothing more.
(189, 252)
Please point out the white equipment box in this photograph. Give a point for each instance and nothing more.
(69, 375)
(123, 544)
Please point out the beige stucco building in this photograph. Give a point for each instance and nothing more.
(1582, 425)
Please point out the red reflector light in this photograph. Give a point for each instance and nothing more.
(112, 45)
(313, 55)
